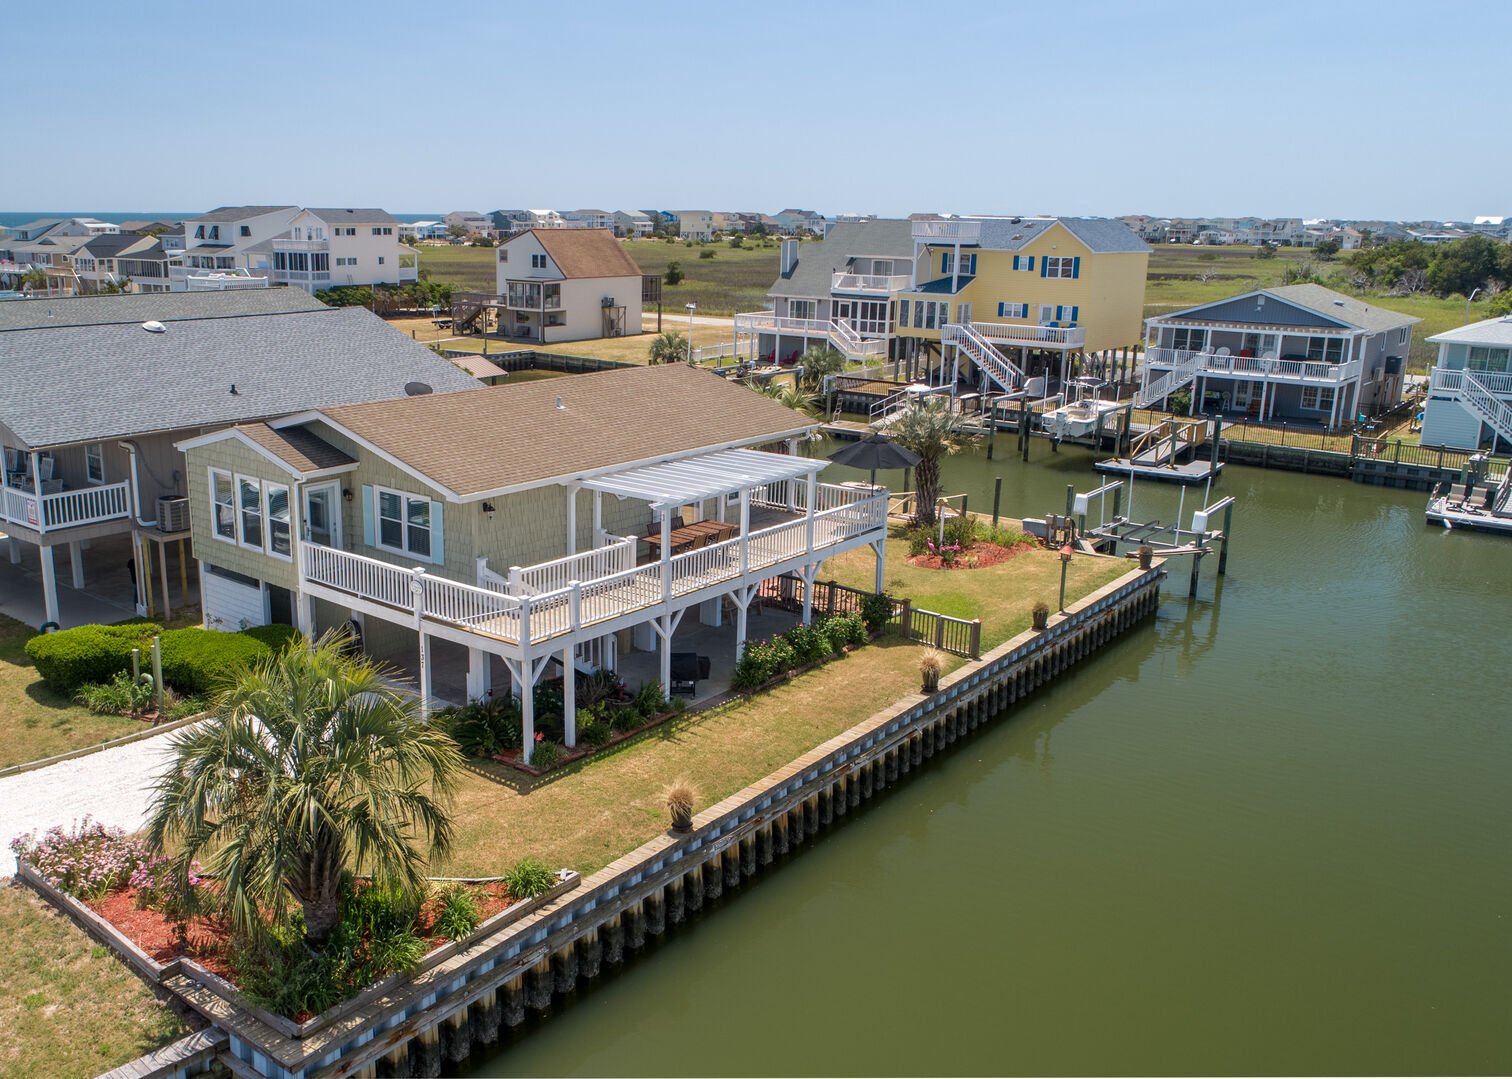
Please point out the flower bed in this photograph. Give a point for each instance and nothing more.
(978, 555)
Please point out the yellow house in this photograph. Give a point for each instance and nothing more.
(1012, 297)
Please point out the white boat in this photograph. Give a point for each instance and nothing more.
(1083, 413)
(1484, 504)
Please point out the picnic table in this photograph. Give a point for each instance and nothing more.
(691, 537)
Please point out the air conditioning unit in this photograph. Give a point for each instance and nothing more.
(173, 513)
(607, 301)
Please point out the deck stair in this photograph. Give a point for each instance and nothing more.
(1485, 405)
(1162, 444)
(1185, 368)
(971, 338)
(467, 307)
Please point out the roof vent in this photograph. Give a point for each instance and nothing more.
(560, 407)
(1338, 303)
(416, 389)
(151, 327)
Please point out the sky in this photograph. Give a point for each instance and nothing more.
(1328, 108)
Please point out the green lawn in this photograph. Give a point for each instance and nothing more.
(71, 1008)
(35, 722)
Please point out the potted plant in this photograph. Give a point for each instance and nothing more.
(680, 797)
(1040, 612)
(931, 663)
(1146, 555)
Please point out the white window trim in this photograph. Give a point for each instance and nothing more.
(92, 453)
(241, 539)
(267, 519)
(1055, 263)
(404, 496)
(215, 531)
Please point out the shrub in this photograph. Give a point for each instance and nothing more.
(529, 878)
(844, 629)
(625, 717)
(931, 663)
(1004, 537)
(761, 662)
(73, 658)
(680, 797)
(920, 540)
(200, 660)
(808, 645)
(87, 862)
(548, 754)
(961, 531)
(592, 730)
(183, 708)
(460, 913)
(649, 701)
(707, 253)
(483, 728)
(276, 637)
(121, 696)
(876, 611)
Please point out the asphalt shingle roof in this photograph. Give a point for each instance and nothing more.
(1491, 331)
(136, 308)
(237, 213)
(515, 436)
(818, 262)
(1325, 301)
(298, 447)
(586, 252)
(358, 216)
(86, 383)
(1099, 234)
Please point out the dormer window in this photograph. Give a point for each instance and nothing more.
(215, 232)
(199, 232)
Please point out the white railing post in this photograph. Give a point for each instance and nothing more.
(575, 604)
(417, 591)
(516, 581)
(524, 621)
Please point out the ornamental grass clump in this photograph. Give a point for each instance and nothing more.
(680, 797)
(460, 913)
(931, 664)
(529, 878)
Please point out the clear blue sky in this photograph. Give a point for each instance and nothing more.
(1315, 109)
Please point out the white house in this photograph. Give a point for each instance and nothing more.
(586, 219)
(567, 285)
(221, 242)
(1470, 387)
(472, 222)
(340, 246)
(695, 225)
(632, 223)
(410, 231)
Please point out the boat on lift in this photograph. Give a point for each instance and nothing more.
(1082, 411)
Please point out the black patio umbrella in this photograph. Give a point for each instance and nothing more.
(874, 452)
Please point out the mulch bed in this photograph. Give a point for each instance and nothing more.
(976, 556)
(209, 938)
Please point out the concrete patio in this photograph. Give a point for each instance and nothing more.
(107, 595)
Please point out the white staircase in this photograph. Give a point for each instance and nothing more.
(839, 333)
(1485, 405)
(1183, 370)
(968, 339)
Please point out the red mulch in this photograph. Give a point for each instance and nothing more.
(209, 939)
(976, 556)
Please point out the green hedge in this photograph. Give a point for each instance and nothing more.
(78, 657)
(194, 660)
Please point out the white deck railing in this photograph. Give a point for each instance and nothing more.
(1260, 366)
(966, 232)
(1022, 333)
(66, 509)
(841, 281)
(838, 332)
(1442, 378)
(614, 557)
(843, 513)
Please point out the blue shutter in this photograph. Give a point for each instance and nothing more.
(1044, 267)
(1075, 313)
(438, 535)
(367, 515)
(1076, 266)
(945, 263)
(1001, 308)
(1031, 263)
(1015, 266)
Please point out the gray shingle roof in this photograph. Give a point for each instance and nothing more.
(86, 383)
(357, 216)
(817, 262)
(1326, 301)
(1099, 234)
(152, 306)
(237, 213)
(1491, 331)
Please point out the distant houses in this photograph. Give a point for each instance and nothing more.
(567, 284)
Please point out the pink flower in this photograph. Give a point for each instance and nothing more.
(540, 737)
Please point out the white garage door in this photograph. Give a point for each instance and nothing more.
(232, 605)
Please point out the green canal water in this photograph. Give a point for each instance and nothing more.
(1267, 835)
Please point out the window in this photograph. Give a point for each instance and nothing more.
(215, 232)
(403, 524)
(537, 262)
(1318, 398)
(1023, 262)
(902, 312)
(199, 232)
(1487, 359)
(1013, 310)
(1066, 313)
(1325, 349)
(94, 463)
(1402, 336)
(963, 312)
(968, 264)
(382, 231)
(380, 260)
(1054, 266)
(801, 308)
(250, 494)
(246, 230)
(503, 254)
(223, 507)
(277, 510)
(1188, 340)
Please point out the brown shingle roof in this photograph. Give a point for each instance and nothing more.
(301, 449)
(514, 436)
(587, 252)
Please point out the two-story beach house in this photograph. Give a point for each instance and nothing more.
(569, 521)
(567, 285)
(97, 390)
(695, 225)
(1469, 402)
(1297, 353)
(327, 247)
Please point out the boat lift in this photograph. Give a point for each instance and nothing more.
(1168, 541)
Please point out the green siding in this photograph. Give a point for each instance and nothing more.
(235, 457)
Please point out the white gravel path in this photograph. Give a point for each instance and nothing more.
(112, 786)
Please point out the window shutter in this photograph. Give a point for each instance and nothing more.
(1076, 266)
(1030, 267)
(1001, 308)
(1044, 267)
(367, 515)
(945, 263)
(1075, 313)
(438, 534)
(1015, 266)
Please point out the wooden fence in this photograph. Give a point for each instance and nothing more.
(961, 636)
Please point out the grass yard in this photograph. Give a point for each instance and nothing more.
(1000, 595)
(35, 722)
(71, 1008)
(469, 268)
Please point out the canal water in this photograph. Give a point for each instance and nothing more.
(1269, 835)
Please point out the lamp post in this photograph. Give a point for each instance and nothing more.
(1468, 301)
(1065, 557)
(691, 308)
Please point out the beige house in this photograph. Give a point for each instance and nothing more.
(569, 523)
(567, 285)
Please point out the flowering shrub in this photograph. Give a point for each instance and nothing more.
(87, 862)
(948, 552)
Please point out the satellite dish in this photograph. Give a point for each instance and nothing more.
(154, 327)
(417, 389)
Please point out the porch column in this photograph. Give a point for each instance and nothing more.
(569, 696)
(425, 675)
(49, 582)
(598, 518)
(742, 596)
(15, 551)
(572, 493)
(664, 631)
(808, 573)
(666, 553)
(477, 674)
(76, 563)
(304, 609)
(813, 489)
(879, 549)
(745, 528)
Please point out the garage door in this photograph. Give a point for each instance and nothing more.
(232, 605)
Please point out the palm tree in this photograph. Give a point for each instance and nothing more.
(669, 347)
(930, 429)
(788, 393)
(819, 361)
(310, 765)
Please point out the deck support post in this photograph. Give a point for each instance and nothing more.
(879, 549)
(598, 519)
(742, 597)
(425, 674)
(569, 696)
(76, 563)
(807, 573)
(478, 687)
(304, 611)
(526, 672)
(15, 551)
(665, 626)
(49, 583)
